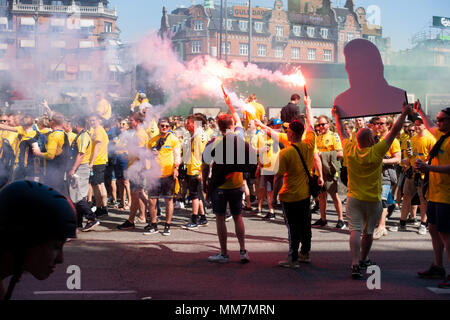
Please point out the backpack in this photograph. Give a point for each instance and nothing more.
(7, 159)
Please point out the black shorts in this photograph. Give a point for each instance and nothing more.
(194, 186)
(438, 214)
(163, 188)
(98, 175)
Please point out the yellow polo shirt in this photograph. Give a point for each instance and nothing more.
(99, 135)
(439, 183)
(166, 153)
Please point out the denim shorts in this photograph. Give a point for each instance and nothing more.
(221, 197)
(385, 191)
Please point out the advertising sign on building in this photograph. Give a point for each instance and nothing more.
(441, 22)
(242, 12)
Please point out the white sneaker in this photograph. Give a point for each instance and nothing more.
(177, 205)
(219, 258)
(244, 256)
(422, 230)
(379, 233)
(181, 205)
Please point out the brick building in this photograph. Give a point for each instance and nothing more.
(61, 50)
(309, 32)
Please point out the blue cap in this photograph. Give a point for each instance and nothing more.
(275, 122)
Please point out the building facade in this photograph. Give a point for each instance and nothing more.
(61, 50)
(311, 31)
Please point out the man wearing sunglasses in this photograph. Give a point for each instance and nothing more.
(166, 148)
(438, 194)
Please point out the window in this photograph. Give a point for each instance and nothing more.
(327, 55)
(227, 49)
(198, 25)
(295, 53)
(85, 75)
(243, 25)
(56, 75)
(279, 31)
(56, 3)
(259, 27)
(26, 28)
(57, 29)
(310, 32)
(297, 30)
(372, 39)
(324, 33)
(196, 46)
(262, 50)
(108, 26)
(311, 54)
(278, 52)
(341, 37)
(25, 52)
(349, 36)
(243, 49)
(229, 24)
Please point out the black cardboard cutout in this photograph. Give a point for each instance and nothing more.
(369, 92)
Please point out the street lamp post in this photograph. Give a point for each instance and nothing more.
(250, 29)
(36, 62)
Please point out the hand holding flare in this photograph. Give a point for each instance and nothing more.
(227, 99)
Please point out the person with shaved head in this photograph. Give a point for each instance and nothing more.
(365, 160)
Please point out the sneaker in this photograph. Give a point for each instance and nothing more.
(314, 207)
(260, 214)
(151, 229)
(434, 272)
(379, 233)
(191, 226)
(90, 225)
(219, 258)
(363, 265)
(422, 230)
(445, 284)
(288, 263)
(340, 225)
(398, 228)
(101, 212)
(203, 222)
(228, 217)
(304, 258)
(182, 205)
(244, 256)
(413, 221)
(402, 228)
(320, 223)
(269, 217)
(127, 225)
(166, 231)
(356, 272)
(247, 209)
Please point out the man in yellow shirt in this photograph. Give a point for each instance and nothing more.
(136, 140)
(166, 149)
(438, 193)
(389, 175)
(295, 193)
(79, 172)
(365, 161)
(195, 124)
(56, 154)
(328, 142)
(103, 108)
(97, 163)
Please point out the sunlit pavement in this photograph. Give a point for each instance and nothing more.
(129, 265)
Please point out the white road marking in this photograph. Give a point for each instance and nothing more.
(83, 292)
(439, 290)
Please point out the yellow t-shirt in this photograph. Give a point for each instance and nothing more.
(103, 109)
(295, 179)
(54, 144)
(364, 170)
(395, 147)
(421, 147)
(71, 136)
(138, 138)
(439, 183)
(166, 153)
(84, 145)
(198, 143)
(99, 135)
(152, 129)
(329, 141)
(24, 135)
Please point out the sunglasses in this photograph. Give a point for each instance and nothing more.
(164, 125)
(322, 124)
(441, 119)
(380, 123)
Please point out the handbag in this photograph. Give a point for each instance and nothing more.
(314, 188)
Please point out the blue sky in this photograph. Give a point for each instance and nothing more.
(400, 19)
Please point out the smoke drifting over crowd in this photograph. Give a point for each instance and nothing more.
(201, 76)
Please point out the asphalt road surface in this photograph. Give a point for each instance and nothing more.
(127, 265)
